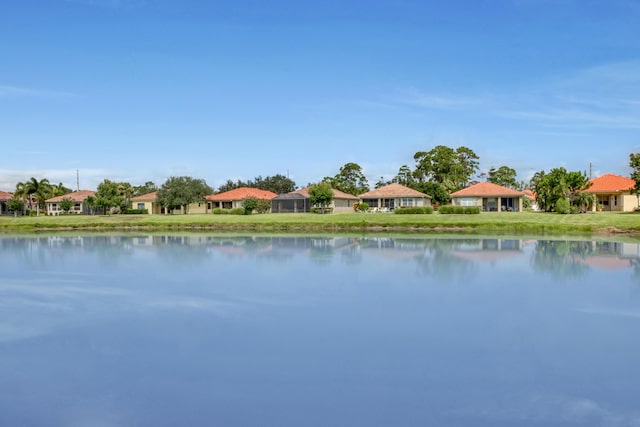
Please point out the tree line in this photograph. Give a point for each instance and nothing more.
(438, 172)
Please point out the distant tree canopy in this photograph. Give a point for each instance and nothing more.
(349, 179)
(178, 192)
(278, 184)
(443, 165)
(146, 188)
(559, 184)
(504, 176)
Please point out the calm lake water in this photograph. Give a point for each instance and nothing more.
(210, 330)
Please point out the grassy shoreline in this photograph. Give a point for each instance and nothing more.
(600, 223)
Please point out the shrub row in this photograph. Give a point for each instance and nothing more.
(136, 211)
(234, 211)
(414, 210)
(449, 209)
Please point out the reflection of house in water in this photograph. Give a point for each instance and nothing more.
(612, 255)
(489, 250)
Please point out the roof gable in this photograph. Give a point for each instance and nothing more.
(484, 189)
(5, 196)
(149, 197)
(76, 196)
(610, 183)
(391, 191)
(242, 193)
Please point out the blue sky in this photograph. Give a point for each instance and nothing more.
(138, 90)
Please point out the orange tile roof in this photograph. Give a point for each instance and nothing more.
(487, 189)
(242, 193)
(76, 196)
(610, 183)
(5, 196)
(149, 197)
(337, 194)
(391, 191)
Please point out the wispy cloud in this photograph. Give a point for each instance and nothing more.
(8, 91)
(415, 97)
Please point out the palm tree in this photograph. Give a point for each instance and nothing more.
(40, 190)
(59, 190)
(21, 193)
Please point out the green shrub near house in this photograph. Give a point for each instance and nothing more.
(459, 210)
(136, 211)
(237, 211)
(426, 210)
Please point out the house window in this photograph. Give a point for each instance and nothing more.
(467, 201)
(140, 205)
(407, 202)
(615, 200)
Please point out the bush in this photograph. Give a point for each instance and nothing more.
(237, 211)
(562, 206)
(136, 211)
(459, 210)
(414, 210)
(363, 206)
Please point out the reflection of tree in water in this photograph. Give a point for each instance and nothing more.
(181, 251)
(109, 249)
(563, 259)
(439, 261)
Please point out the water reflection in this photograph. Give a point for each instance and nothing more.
(208, 329)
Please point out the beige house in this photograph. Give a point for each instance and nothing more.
(489, 197)
(4, 199)
(393, 196)
(79, 206)
(614, 193)
(299, 201)
(149, 202)
(232, 199)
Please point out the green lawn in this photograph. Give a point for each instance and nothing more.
(525, 222)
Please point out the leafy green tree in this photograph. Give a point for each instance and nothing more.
(321, 195)
(91, 204)
(231, 185)
(504, 176)
(126, 191)
(443, 165)
(146, 188)
(22, 194)
(349, 179)
(405, 177)
(438, 192)
(66, 204)
(250, 204)
(59, 190)
(108, 196)
(178, 192)
(16, 205)
(382, 182)
(557, 184)
(634, 162)
(278, 184)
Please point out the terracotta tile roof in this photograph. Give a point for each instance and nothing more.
(530, 194)
(149, 197)
(77, 196)
(5, 196)
(391, 191)
(610, 183)
(337, 194)
(242, 193)
(487, 189)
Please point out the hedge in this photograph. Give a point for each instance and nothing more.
(465, 210)
(414, 210)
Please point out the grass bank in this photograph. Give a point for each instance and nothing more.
(494, 223)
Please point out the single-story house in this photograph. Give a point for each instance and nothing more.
(4, 199)
(393, 196)
(149, 202)
(614, 193)
(300, 201)
(232, 199)
(78, 197)
(490, 197)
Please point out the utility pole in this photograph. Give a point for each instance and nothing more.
(78, 179)
(590, 170)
